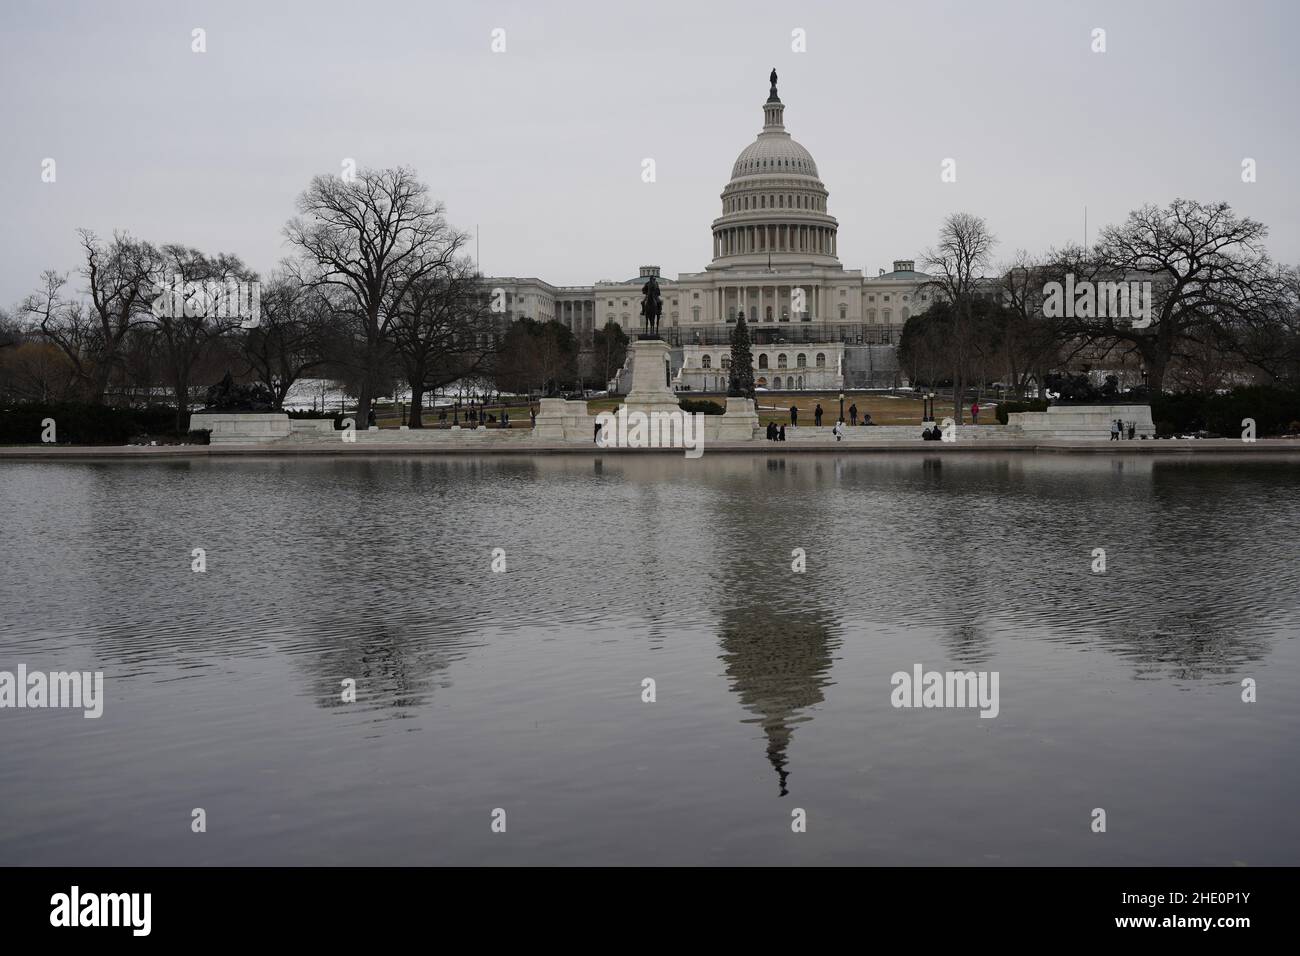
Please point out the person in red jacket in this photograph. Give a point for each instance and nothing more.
(975, 413)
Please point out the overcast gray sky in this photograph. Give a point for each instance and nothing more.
(540, 147)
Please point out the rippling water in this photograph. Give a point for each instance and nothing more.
(522, 690)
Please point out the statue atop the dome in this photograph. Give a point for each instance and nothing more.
(652, 306)
(772, 95)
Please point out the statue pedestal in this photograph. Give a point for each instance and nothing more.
(243, 427)
(650, 391)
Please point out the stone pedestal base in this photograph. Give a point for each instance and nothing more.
(1083, 422)
(242, 427)
(650, 391)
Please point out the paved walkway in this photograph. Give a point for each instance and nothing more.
(759, 447)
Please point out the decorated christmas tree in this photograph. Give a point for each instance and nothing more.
(741, 380)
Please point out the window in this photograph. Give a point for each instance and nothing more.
(871, 316)
(781, 361)
(768, 316)
(871, 298)
(904, 298)
(843, 293)
(776, 382)
(705, 362)
(697, 296)
(695, 314)
(884, 315)
(886, 298)
(762, 360)
(904, 313)
(844, 313)
(821, 359)
(801, 361)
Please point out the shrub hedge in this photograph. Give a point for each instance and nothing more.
(1030, 405)
(78, 423)
(703, 406)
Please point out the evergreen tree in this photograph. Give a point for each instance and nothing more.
(741, 381)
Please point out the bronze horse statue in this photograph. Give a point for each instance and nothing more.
(652, 306)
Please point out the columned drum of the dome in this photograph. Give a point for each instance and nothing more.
(774, 207)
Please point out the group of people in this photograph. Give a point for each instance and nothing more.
(818, 414)
(775, 433)
(1117, 429)
(932, 434)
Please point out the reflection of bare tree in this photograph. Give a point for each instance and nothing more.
(393, 669)
(778, 663)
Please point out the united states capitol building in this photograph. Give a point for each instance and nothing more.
(814, 324)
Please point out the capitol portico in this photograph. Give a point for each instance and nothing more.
(813, 323)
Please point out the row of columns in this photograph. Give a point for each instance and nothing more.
(579, 316)
(743, 296)
(774, 237)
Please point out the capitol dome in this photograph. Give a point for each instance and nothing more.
(774, 153)
(774, 206)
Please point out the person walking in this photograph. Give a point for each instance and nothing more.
(853, 414)
(1132, 429)
(781, 434)
(817, 414)
(838, 430)
(975, 412)
(794, 415)
(1114, 430)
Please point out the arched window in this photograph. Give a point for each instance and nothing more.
(801, 361)
(768, 317)
(776, 382)
(821, 359)
(761, 382)
(762, 360)
(705, 362)
(781, 361)
(844, 313)
(800, 385)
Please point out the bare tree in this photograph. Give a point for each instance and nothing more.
(372, 236)
(958, 262)
(1209, 272)
(189, 316)
(120, 284)
(297, 328)
(442, 330)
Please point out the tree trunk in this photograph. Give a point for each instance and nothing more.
(416, 417)
(182, 401)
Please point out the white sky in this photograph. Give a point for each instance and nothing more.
(541, 146)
